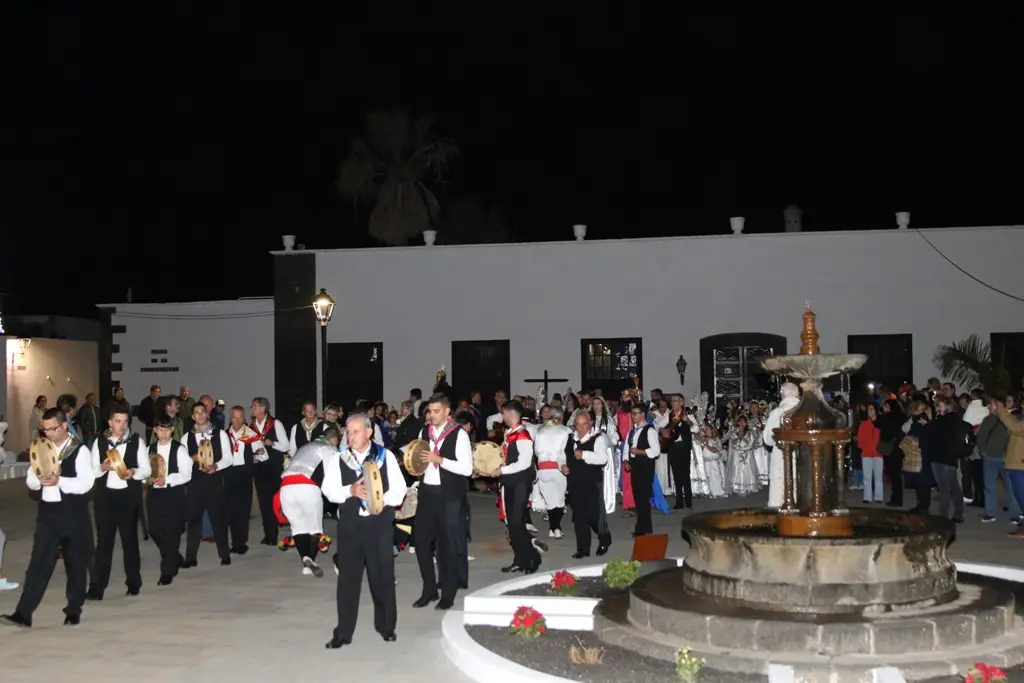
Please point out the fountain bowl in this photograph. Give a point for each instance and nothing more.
(814, 366)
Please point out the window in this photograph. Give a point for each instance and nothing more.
(1008, 351)
(890, 362)
(739, 376)
(610, 364)
(482, 366)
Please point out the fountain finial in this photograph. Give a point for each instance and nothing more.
(809, 336)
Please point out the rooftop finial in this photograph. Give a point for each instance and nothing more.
(809, 336)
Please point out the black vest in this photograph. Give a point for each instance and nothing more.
(192, 445)
(172, 458)
(350, 476)
(453, 486)
(512, 456)
(579, 470)
(131, 458)
(300, 433)
(68, 468)
(641, 442)
(248, 457)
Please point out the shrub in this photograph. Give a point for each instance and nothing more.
(688, 667)
(619, 573)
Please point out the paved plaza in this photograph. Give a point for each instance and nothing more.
(260, 620)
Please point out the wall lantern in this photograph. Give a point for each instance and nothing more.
(681, 369)
(24, 343)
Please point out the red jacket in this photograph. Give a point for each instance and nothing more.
(868, 436)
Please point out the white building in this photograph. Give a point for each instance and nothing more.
(591, 313)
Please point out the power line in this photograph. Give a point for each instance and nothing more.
(952, 263)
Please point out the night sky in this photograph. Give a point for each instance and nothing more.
(169, 149)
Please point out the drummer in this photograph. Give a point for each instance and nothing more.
(440, 516)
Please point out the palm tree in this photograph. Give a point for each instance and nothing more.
(970, 364)
(467, 221)
(396, 166)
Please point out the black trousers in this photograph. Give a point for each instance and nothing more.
(555, 518)
(642, 470)
(165, 508)
(205, 494)
(64, 527)
(679, 454)
(924, 498)
(238, 503)
(307, 545)
(587, 511)
(440, 532)
(516, 496)
(117, 512)
(267, 476)
(368, 549)
(894, 468)
(973, 481)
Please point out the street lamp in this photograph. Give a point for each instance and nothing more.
(681, 369)
(323, 307)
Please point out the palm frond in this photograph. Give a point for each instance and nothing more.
(969, 365)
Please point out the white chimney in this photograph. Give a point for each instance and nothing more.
(429, 237)
(580, 231)
(794, 218)
(288, 241)
(736, 223)
(902, 219)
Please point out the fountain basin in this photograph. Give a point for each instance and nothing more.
(894, 561)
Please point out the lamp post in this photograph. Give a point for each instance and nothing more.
(323, 307)
(681, 369)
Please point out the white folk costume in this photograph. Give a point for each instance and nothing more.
(304, 432)
(715, 457)
(661, 465)
(742, 468)
(586, 483)
(776, 480)
(760, 450)
(165, 506)
(365, 538)
(266, 472)
(118, 504)
(698, 466)
(300, 504)
(549, 492)
(205, 494)
(610, 430)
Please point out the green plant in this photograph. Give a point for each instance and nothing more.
(688, 667)
(563, 583)
(619, 573)
(528, 623)
(970, 364)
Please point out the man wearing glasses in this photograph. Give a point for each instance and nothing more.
(643, 449)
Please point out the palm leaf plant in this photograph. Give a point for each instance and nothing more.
(969, 364)
(397, 166)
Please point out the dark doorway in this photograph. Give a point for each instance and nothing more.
(1008, 351)
(611, 364)
(355, 371)
(890, 363)
(483, 366)
(730, 365)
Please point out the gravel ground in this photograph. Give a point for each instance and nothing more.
(586, 587)
(549, 654)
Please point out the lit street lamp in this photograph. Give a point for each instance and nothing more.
(323, 307)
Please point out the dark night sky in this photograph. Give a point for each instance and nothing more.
(170, 144)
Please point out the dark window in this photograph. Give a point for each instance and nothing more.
(355, 371)
(115, 348)
(118, 329)
(115, 367)
(1008, 351)
(482, 366)
(890, 362)
(739, 376)
(610, 364)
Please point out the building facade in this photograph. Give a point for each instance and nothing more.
(589, 313)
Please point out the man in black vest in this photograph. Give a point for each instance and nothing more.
(516, 482)
(440, 529)
(643, 449)
(365, 539)
(267, 466)
(680, 452)
(206, 489)
(62, 523)
(117, 502)
(586, 456)
(165, 503)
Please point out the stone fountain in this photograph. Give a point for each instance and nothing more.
(831, 591)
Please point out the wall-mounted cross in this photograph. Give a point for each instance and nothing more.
(545, 382)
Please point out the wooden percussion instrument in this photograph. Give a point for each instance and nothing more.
(408, 509)
(487, 457)
(43, 459)
(117, 463)
(412, 459)
(159, 467)
(374, 487)
(204, 456)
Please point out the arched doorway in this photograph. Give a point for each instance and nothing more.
(730, 367)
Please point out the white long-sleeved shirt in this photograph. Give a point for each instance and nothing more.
(493, 420)
(774, 420)
(259, 449)
(80, 484)
(279, 436)
(336, 492)
(293, 446)
(653, 444)
(524, 447)
(184, 473)
(225, 447)
(599, 456)
(463, 463)
(550, 443)
(111, 479)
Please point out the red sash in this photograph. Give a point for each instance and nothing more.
(547, 465)
(266, 428)
(449, 427)
(238, 444)
(288, 481)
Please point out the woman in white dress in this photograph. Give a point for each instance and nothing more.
(756, 419)
(605, 422)
(742, 468)
(714, 457)
(660, 414)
